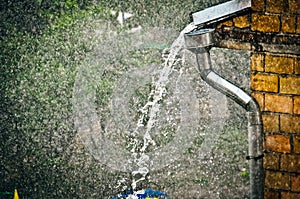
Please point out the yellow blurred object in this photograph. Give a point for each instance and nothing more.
(16, 195)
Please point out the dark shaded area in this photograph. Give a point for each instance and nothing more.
(19, 16)
(34, 16)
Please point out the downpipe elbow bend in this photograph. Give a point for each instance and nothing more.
(255, 156)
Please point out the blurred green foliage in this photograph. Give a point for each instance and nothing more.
(245, 174)
(37, 74)
(42, 44)
(34, 16)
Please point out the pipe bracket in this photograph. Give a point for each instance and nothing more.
(254, 157)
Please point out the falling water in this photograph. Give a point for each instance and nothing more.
(142, 118)
(152, 106)
(158, 115)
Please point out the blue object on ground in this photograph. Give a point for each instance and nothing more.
(148, 193)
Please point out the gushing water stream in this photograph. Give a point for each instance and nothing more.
(157, 114)
(153, 105)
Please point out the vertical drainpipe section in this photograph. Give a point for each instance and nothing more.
(200, 42)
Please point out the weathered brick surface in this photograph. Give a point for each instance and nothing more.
(297, 145)
(264, 82)
(290, 163)
(279, 64)
(265, 23)
(260, 99)
(279, 104)
(290, 85)
(276, 6)
(278, 143)
(241, 21)
(271, 123)
(296, 104)
(271, 194)
(288, 24)
(225, 23)
(294, 6)
(257, 62)
(271, 161)
(277, 180)
(298, 25)
(289, 195)
(290, 123)
(275, 82)
(295, 183)
(297, 61)
(258, 5)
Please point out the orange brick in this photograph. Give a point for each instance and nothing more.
(271, 161)
(290, 124)
(289, 195)
(260, 98)
(271, 194)
(225, 23)
(258, 5)
(294, 6)
(297, 61)
(241, 21)
(290, 163)
(257, 62)
(270, 122)
(288, 24)
(278, 143)
(277, 180)
(297, 144)
(296, 104)
(298, 25)
(290, 85)
(265, 23)
(276, 6)
(295, 183)
(279, 64)
(263, 82)
(279, 104)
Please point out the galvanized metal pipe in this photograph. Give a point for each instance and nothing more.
(200, 42)
(220, 12)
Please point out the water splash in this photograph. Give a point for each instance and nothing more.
(152, 106)
(155, 111)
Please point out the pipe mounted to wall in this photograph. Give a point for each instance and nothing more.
(200, 42)
(220, 12)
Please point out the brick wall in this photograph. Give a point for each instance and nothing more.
(271, 30)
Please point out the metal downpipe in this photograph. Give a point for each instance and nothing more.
(200, 42)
